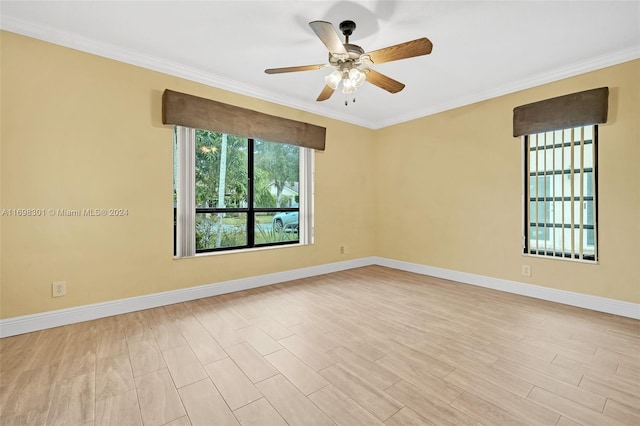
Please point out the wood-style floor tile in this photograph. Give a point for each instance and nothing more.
(567, 422)
(524, 408)
(260, 340)
(31, 393)
(570, 409)
(407, 417)
(378, 403)
(621, 390)
(224, 334)
(254, 365)
(113, 376)
(273, 328)
(407, 362)
(81, 360)
(297, 372)
(374, 373)
(574, 393)
(183, 366)
(367, 346)
(111, 342)
(290, 403)
(121, 409)
(158, 398)
(73, 401)
(342, 409)
(167, 335)
(205, 405)
(412, 372)
(236, 388)
(311, 356)
(203, 345)
(145, 357)
(485, 412)
(259, 413)
(50, 348)
(182, 421)
(433, 409)
(623, 413)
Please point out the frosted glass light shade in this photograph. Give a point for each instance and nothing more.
(357, 77)
(333, 79)
(348, 86)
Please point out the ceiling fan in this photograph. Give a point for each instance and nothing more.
(352, 63)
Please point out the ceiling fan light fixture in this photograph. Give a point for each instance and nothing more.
(348, 86)
(333, 79)
(357, 77)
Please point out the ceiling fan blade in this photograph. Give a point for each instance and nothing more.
(325, 94)
(328, 35)
(383, 82)
(409, 49)
(294, 69)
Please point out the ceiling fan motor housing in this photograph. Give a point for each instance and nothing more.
(354, 52)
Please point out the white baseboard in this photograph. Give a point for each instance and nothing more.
(595, 303)
(41, 321)
(44, 320)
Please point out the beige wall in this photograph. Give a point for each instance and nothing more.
(449, 191)
(80, 131)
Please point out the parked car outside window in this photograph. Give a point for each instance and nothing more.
(285, 222)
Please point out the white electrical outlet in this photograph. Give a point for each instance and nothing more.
(58, 288)
(526, 270)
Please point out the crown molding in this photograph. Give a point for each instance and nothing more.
(592, 64)
(84, 44)
(153, 63)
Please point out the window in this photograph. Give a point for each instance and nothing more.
(561, 193)
(233, 192)
(560, 156)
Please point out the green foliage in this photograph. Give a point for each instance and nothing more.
(280, 162)
(261, 184)
(275, 164)
(232, 232)
(208, 148)
(275, 167)
(265, 236)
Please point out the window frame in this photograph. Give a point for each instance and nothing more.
(577, 172)
(185, 210)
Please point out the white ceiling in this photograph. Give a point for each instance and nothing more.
(482, 49)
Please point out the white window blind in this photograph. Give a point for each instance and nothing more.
(561, 193)
(185, 191)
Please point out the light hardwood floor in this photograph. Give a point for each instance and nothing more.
(366, 346)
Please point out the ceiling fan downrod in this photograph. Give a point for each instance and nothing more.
(347, 28)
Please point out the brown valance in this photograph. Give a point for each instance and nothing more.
(200, 113)
(563, 112)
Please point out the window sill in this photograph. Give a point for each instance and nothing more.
(240, 251)
(566, 259)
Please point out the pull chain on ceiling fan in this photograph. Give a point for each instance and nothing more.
(351, 62)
